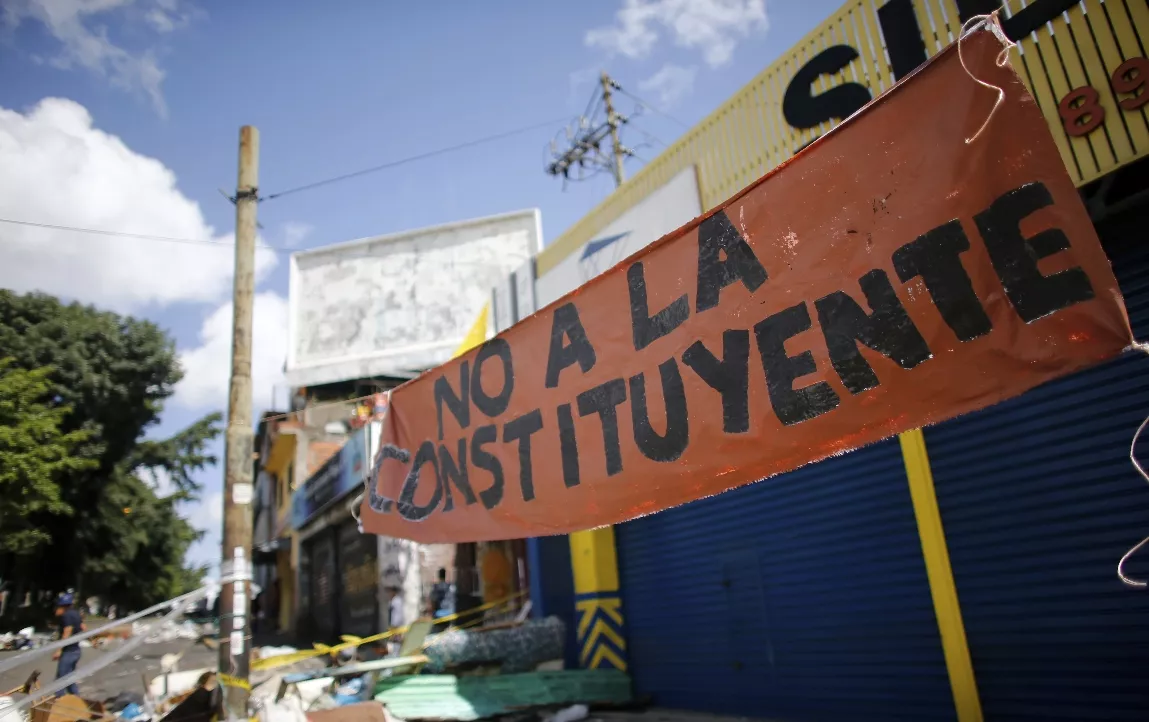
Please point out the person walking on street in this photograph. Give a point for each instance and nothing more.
(68, 657)
(257, 613)
(437, 600)
(395, 617)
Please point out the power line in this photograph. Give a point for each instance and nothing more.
(652, 136)
(413, 158)
(123, 234)
(593, 102)
(193, 241)
(642, 102)
(297, 189)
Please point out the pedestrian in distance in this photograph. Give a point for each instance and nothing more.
(395, 617)
(438, 599)
(69, 657)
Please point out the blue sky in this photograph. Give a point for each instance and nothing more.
(123, 115)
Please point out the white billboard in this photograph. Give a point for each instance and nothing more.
(399, 304)
(659, 213)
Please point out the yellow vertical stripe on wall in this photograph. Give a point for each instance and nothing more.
(942, 587)
(601, 629)
(594, 561)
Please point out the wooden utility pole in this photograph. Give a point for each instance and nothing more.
(614, 121)
(238, 491)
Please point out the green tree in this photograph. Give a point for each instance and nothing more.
(147, 541)
(34, 455)
(110, 375)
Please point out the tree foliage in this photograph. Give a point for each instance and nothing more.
(107, 378)
(34, 455)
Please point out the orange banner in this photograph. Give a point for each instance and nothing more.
(888, 277)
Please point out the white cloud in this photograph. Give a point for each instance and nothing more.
(670, 84)
(579, 82)
(206, 367)
(204, 388)
(205, 515)
(168, 15)
(714, 27)
(86, 44)
(295, 233)
(159, 480)
(56, 168)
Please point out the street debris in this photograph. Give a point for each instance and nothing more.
(168, 630)
(8, 714)
(574, 713)
(512, 647)
(26, 638)
(271, 651)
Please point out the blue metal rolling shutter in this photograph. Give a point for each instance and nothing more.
(1039, 501)
(799, 597)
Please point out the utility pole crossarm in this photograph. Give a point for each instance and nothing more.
(586, 144)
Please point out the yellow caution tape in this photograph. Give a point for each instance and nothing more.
(228, 681)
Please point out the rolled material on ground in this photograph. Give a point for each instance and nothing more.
(516, 649)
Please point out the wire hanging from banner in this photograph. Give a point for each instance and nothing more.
(991, 24)
(1129, 581)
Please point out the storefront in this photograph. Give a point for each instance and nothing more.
(278, 552)
(825, 592)
(338, 569)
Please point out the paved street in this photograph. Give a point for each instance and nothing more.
(123, 675)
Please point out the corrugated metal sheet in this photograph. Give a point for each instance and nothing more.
(323, 610)
(552, 588)
(800, 597)
(1039, 501)
(448, 697)
(359, 581)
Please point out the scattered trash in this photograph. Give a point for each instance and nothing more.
(272, 651)
(167, 630)
(69, 708)
(123, 700)
(288, 709)
(349, 692)
(26, 638)
(359, 712)
(131, 712)
(176, 683)
(11, 715)
(574, 713)
(198, 704)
